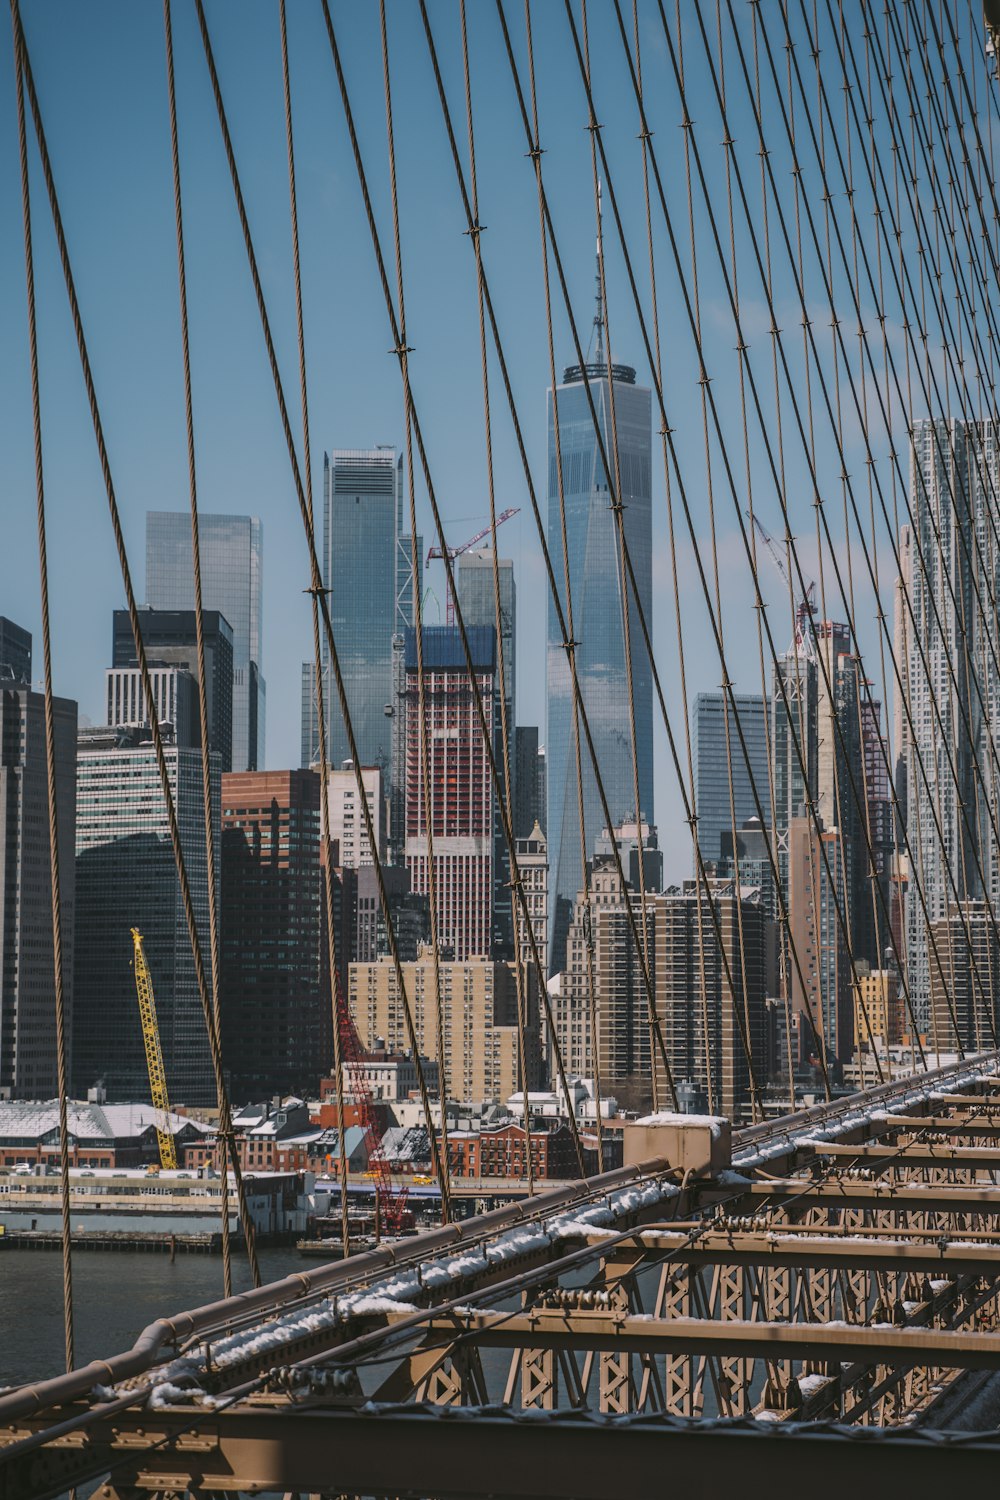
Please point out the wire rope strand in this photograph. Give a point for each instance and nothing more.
(337, 1000)
(211, 1024)
(206, 771)
(66, 1239)
(426, 784)
(520, 973)
(440, 1169)
(568, 637)
(449, 571)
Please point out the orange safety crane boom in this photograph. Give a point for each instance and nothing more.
(804, 644)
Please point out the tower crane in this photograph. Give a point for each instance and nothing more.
(154, 1054)
(436, 552)
(804, 644)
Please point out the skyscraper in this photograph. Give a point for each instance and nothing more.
(599, 599)
(277, 1024)
(232, 560)
(474, 587)
(15, 652)
(367, 569)
(462, 811)
(126, 877)
(27, 976)
(711, 764)
(954, 479)
(170, 638)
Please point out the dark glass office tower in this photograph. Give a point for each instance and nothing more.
(15, 652)
(367, 568)
(170, 639)
(232, 549)
(712, 761)
(598, 603)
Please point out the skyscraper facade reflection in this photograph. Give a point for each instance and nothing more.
(598, 597)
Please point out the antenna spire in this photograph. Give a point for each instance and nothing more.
(599, 315)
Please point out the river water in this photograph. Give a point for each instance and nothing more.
(115, 1294)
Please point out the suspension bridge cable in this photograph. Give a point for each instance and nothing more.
(58, 975)
(475, 233)
(449, 571)
(426, 783)
(440, 1168)
(206, 767)
(337, 999)
(211, 1021)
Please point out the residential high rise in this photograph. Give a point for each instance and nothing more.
(367, 569)
(954, 480)
(277, 1034)
(794, 744)
(15, 653)
(347, 826)
(700, 980)
(628, 837)
(965, 990)
(462, 811)
(232, 567)
(170, 639)
(27, 975)
(479, 1006)
(711, 764)
(474, 588)
(126, 877)
(596, 581)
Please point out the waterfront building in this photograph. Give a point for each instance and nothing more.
(27, 973)
(126, 877)
(276, 1011)
(232, 584)
(599, 601)
(479, 1006)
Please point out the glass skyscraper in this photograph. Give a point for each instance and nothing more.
(126, 877)
(711, 766)
(599, 593)
(231, 582)
(367, 568)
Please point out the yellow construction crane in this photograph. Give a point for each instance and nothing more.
(154, 1054)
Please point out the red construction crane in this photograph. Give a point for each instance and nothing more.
(435, 552)
(390, 1200)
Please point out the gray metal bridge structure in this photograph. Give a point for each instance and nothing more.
(809, 1301)
(814, 1301)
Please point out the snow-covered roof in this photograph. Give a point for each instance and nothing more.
(406, 1143)
(27, 1119)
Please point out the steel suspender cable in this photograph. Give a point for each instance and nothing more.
(211, 1023)
(474, 233)
(440, 1168)
(50, 743)
(569, 642)
(446, 557)
(426, 782)
(206, 769)
(630, 914)
(337, 998)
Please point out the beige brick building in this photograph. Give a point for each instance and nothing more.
(479, 1005)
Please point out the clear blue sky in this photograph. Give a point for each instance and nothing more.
(100, 74)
